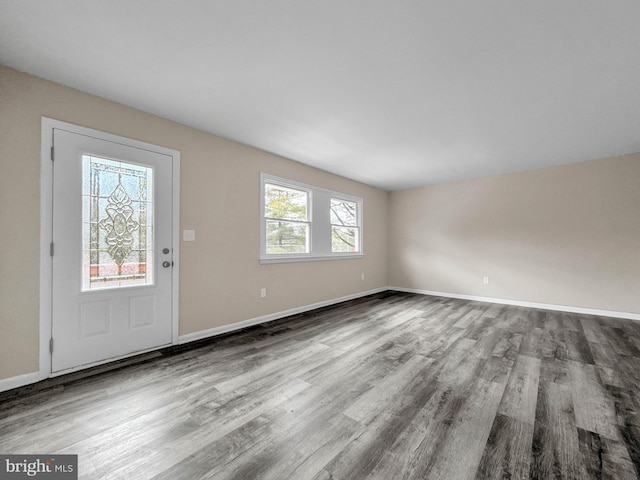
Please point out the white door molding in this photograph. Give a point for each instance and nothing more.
(46, 230)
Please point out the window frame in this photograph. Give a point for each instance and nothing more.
(264, 219)
(357, 226)
(319, 218)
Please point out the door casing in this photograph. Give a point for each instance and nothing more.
(46, 232)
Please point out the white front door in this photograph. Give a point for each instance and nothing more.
(112, 250)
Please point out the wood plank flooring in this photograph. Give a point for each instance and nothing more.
(390, 386)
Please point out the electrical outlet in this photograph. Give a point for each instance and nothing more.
(362, 277)
(263, 292)
(485, 280)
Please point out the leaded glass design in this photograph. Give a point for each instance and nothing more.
(117, 224)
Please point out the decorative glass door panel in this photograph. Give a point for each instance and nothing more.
(117, 224)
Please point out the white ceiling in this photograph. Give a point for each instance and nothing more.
(392, 93)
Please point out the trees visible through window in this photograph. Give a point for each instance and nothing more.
(287, 220)
(302, 222)
(344, 226)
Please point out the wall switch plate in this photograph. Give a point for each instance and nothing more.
(263, 292)
(189, 235)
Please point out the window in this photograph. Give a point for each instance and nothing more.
(286, 213)
(344, 226)
(300, 222)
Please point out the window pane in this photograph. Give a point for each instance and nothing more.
(285, 203)
(344, 239)
(287, 237)
(117, 210)
(343, 212)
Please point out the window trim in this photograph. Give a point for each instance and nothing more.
(263, 219)
(318, 228)
(357, 226)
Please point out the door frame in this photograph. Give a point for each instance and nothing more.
(46, 234)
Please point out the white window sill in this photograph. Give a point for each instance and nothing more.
(308, 258)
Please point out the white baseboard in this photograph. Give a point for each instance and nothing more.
(517, 303)
(19, 381)
(29, 378)
(212, 332)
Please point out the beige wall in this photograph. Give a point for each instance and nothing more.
(567, 235)
(220, 277)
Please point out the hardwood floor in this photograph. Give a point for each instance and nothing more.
(390, 386)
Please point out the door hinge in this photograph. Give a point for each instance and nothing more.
(52, 154)
(51, 345)
(51, 249)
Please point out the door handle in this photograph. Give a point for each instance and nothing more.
(167, 264)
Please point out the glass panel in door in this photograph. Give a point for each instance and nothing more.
(117, 224)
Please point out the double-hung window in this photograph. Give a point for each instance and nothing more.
(287, 220)
(345, 228)
(301, 222)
